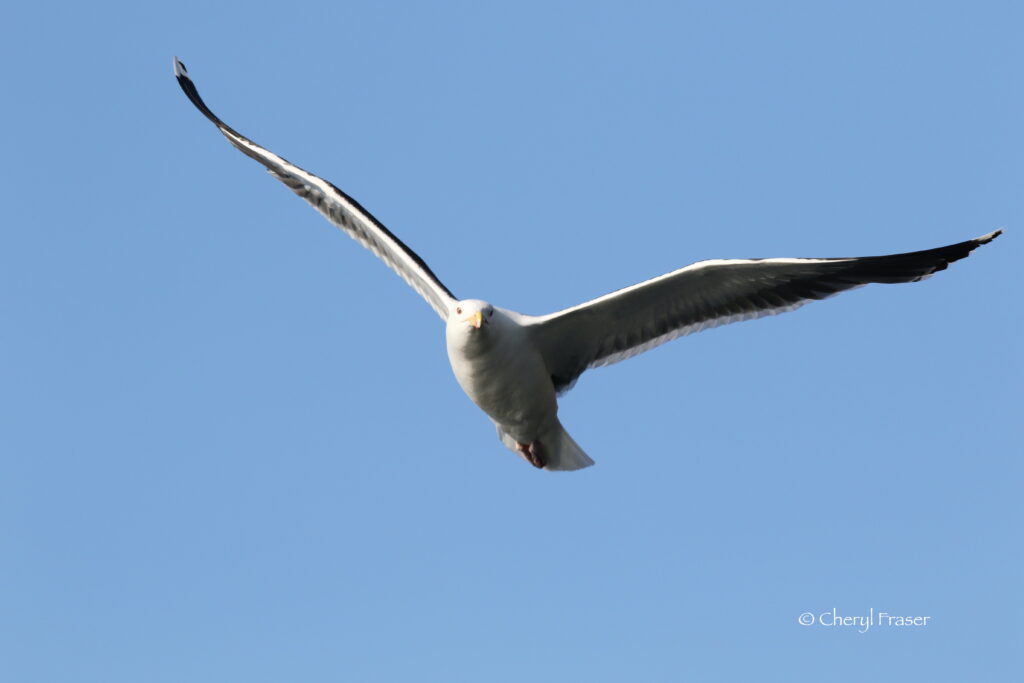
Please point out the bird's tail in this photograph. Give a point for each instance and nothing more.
(563, 453)
(558, 450)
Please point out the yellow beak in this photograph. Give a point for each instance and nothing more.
(476, 319)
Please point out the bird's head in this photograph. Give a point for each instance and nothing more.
(470, 315)
(473, 327)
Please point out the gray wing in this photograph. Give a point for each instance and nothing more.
(712, 293)
(336, 206)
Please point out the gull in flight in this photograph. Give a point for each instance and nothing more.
(514, 366)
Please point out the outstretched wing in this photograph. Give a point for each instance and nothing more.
(712, 293)
(336, 206)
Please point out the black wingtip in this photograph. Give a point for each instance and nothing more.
(189, 88)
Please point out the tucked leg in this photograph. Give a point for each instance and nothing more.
(532, 453)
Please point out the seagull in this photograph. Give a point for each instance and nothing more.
(514, 366)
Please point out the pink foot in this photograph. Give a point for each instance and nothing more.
(531, 451)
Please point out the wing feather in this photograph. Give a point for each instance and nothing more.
(339, 208)
(708, 294)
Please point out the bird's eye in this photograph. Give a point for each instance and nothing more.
(458, 310)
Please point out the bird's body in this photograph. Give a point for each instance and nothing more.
(507, 377)
(513, 366)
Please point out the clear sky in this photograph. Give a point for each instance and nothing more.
(232, 448)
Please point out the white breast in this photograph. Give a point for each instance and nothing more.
(503, 375)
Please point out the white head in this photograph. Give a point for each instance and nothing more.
(470, 322)
(472, 313)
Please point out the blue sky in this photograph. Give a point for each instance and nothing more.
(232, 447)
